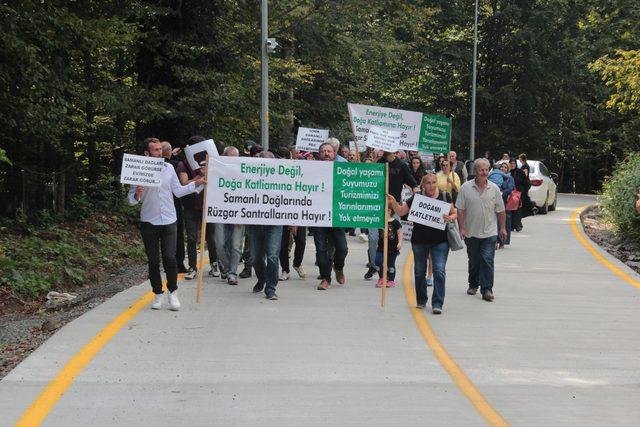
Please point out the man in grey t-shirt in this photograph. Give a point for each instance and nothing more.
(478, 202)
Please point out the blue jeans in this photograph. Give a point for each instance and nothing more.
(391, 264)
(228, 239)
(264, 246)
(373, 245)
(481, 253)
(439, 254)
(322, 236)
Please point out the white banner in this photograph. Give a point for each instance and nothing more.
(246, 190)
(142, 170)
(310, 139)
(428, 211)
(407, 230)
(206, 146)
(383, 139)
(408, 123)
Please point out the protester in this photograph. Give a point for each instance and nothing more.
(524, 165)
(192, 205)
(522, 183)
(335, 144)
(265, 243)
(478, 202)
(158, 224)
(336, 236)
(399, 176)
(448, 180)
(417, 169)
(458, 166)
(254, 150)
(297, 235)
(394, 244)
(429, 242)
(402, 156)
(353, 156)
(499, 175)
(228, 239)
(171, 155)
(344, 152)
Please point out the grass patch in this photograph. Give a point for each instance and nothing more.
(61, 257)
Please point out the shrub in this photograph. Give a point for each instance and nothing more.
(618, 198)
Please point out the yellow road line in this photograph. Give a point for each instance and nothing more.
(465, 385)
(621, 274)
(44, 403)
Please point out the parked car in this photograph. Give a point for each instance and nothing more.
(543, 192)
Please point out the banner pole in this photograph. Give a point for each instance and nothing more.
(355, 138)
(386, 235)
(203, 229)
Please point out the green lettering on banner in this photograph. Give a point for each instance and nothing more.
(435, 134)
(358, 195)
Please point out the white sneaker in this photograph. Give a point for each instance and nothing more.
(174, 302)
(284, 276)
(300, 271)
(191, 274)
(363, 237)
(213, 272)
(158, 299)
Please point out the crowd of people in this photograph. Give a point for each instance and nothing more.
(488, 201)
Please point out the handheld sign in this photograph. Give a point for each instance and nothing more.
(311, 139)
(192, 152)
(141, 170)
(361, 147)
(407, 230)
(429, 211)
(427, 132)
(383, 139)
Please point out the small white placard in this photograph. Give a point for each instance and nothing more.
(207, 146)
(360, 147)
(142, 170)
(407, 230)
(383, 139)
(406, 194)
(429, 211)
(310, 139)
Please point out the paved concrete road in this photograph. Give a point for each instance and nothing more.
(559, 346)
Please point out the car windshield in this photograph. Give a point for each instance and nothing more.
(533, 168)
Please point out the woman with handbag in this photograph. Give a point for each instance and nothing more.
(522, 184)
(507, 187)
(427, 241)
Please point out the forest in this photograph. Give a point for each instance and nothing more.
(82, 82)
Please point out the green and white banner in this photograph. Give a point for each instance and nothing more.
(245, 190)
(418, 131)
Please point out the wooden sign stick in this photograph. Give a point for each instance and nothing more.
(386, 236)
(203, 229)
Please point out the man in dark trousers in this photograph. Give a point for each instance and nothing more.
(158, 224)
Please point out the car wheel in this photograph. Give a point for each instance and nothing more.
(545, 208)
(555, 203)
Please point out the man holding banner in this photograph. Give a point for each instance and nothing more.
(323, 235)
(158, 224)
(264, 241)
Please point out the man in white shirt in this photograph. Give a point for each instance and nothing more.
(158, 224)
